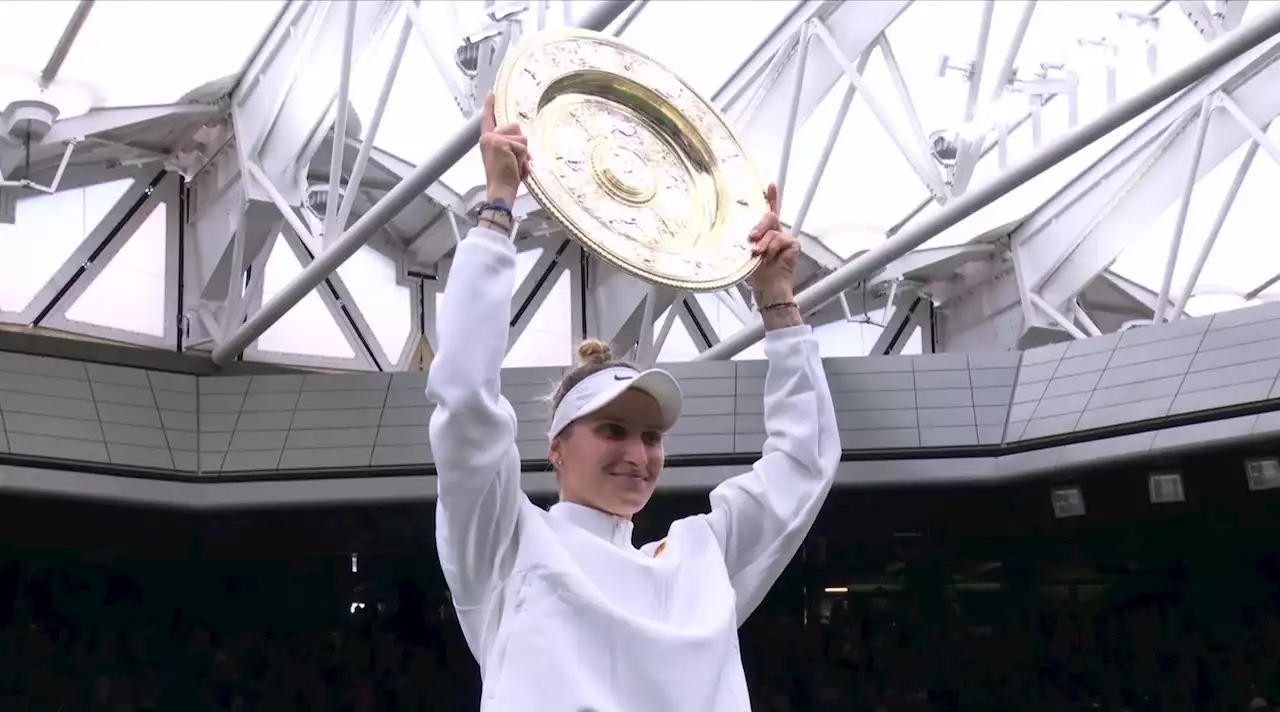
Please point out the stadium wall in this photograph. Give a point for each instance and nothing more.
(93, 430)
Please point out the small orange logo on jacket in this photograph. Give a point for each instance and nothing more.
(661, 548)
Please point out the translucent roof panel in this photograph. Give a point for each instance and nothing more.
(26, 50)
(1060, 33)
(839, 339)
(309, 328)
(704, 41)
(679, 345)
(140, 52)
(725, 322)
(387, 306)
(129, 292)
(47, 229)
(867, 186)
(421, 113)
(1245, 254)
(1178, 42)
(546, 339)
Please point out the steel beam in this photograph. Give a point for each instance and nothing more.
(854, 26)
(287, 100)
(1262, 29)
(765, 59)
(98, 121)
(377, 217)
(283, 107)
(1066, 244)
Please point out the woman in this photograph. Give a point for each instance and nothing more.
(561, 611)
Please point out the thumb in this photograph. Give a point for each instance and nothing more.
(487, 120)
(771, 197)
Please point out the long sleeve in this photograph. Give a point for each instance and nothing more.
(473, 428)
(761, 517)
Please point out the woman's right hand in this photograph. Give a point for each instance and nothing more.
(505, 152)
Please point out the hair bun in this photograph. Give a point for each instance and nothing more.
(595, 352)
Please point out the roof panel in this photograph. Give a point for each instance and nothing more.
(46, 230)
(140, 52)
(704, 41)
(679, 345)
(308, 329)
(420, 113)
(867, 185)
(724, 322)
(134, 52)
(838, 339)
(1242, 258)
(31, 29)
(129, 293)
(1051, 37)
(387, 306)
(545, 341)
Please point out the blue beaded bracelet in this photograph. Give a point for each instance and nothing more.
(497, 208)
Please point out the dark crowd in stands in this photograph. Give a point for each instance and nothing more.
(957, 631)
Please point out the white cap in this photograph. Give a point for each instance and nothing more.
(602, 387)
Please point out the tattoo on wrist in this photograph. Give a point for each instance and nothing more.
(781, 318)
(495, 215)
(498, 225)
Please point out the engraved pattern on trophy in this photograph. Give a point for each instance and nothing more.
(624, 175)
(634, 164)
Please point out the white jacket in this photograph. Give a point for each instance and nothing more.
(562, 612)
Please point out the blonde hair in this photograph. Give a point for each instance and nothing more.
(593, 356)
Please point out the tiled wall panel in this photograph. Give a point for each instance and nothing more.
(130, 417)
(1173, 369)
(49, 410)
(245, 424)
(400, 438)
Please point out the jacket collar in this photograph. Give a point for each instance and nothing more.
(606, 526)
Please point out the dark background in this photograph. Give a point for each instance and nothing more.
(901, 598)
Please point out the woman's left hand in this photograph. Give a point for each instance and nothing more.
(778, 250)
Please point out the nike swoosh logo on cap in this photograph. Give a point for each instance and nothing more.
(622, 378)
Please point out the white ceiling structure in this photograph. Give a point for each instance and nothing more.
(160, 186)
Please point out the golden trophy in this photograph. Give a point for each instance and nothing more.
(637, 167)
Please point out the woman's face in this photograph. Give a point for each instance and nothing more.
(610, 460)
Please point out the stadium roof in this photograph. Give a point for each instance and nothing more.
(185, 177)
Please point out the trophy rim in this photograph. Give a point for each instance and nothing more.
(534, 183)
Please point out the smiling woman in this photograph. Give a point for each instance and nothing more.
(607, 429)
(559, 607)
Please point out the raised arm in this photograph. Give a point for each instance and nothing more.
(473, 427)
(761, 517)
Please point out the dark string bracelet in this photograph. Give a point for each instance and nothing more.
(506, 224)
(779, 306)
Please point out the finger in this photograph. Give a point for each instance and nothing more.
(510, 130)
(782, 242)
(777, 246)
(779, 243)
(762, 245)
(520, 150)
(487, 120)
(767, 223)
(771, 197)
